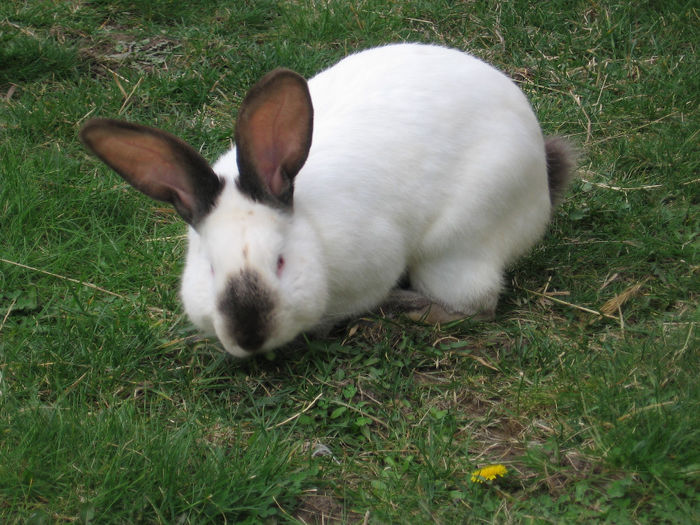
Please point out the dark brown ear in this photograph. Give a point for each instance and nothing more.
(273, 136)
(155, 163)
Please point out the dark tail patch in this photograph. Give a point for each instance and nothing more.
(561, 159)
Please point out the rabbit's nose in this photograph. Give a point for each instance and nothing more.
(247, 305)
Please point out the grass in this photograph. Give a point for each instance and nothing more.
(585, 387)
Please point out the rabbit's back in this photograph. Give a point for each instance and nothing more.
(417, 149)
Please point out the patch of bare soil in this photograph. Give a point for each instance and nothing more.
(322, 508)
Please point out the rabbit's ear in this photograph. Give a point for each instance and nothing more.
(155, 163)
(273, 136)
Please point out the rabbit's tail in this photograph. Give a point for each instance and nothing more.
(561, 159)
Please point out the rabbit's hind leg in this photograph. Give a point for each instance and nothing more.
(456, 288)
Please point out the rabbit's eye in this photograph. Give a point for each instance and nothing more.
(280, 265)
(211, 267)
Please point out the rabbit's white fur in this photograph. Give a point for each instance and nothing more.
(423, 159)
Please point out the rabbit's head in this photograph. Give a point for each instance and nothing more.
(253, 275)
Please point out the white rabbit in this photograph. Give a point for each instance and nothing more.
(404, 161)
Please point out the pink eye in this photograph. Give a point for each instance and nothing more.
(280, 265)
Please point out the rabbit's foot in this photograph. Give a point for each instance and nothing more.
(420, 308)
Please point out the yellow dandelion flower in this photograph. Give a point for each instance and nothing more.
(488, 473)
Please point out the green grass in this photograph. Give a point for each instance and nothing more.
(113, 411)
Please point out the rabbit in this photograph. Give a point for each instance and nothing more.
(406, 162)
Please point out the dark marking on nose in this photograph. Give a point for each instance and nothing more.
(247, 306)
